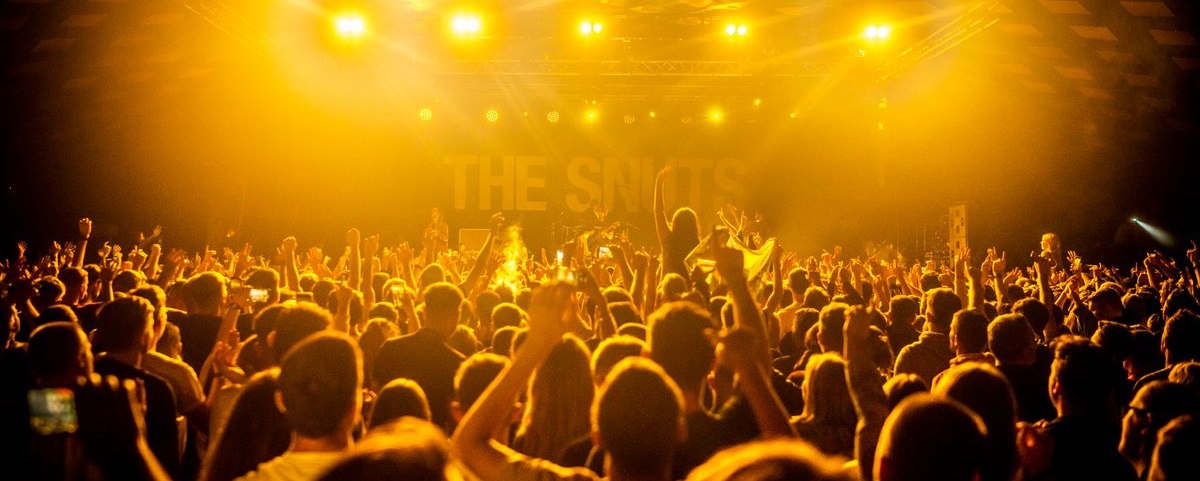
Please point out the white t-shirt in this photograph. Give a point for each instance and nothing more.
(293, 466)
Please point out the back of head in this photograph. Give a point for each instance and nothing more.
(560, 395)
(901, 386)
(1181, 337)
(408, 449)
(1035, 312)
(485, 302)
(826, 395)
(639, 416)
(502, 340)
(614, 294)
(55, 313)
(507, 314)
(124, 325)
(636, 331)
(432, 274)
(1011, 339)
(1174, 456)
(1179, 300)
(929, 281)
(1186, 373)
(474, 376)
(319, 382)
(625, 313)
(798, 281)
(1115, 338)
(926, 438)
(611, 351)
(399, 398)
(985, 391)
(384, 310)
(969, 331)
(778, 460)
(59, 351)
(681, 341)
(685, 227)
(1086, 375)
(255, 432)
(127, 280)
(1162, 401)
(204, 291)
(464, 341)
(815, 298)
(295, 323)
(940, 306)
(832, 320)
(904, 308)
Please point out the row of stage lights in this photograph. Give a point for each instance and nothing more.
(594, 115)
(353, 26)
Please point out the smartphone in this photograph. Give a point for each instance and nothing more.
(52, 411)
(259, 295)
(565, 275)
(604, 253)
(558, 257)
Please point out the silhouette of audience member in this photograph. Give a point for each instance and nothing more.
(774, 460)
(931, 354)
(398, 399)
(1174, 456)
(125, 336)
(1180, 343)
(637, 417)
(407, 449)
(926, 437)
(255, 433)
(424, 356)
(1150, 410)
(319, 394)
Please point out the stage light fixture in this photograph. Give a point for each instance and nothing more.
(588, 28)
(877, 33)
(552, 116)
(629, 119)
(466, 24)
(736, 29)
(757, 102)
(715, 115)
(592, 115)
(492, 116)
(426, 114)
(652, 114)
(350, 26)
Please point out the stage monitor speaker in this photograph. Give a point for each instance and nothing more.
(958, 228)
(472, 240)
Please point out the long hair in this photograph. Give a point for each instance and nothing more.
(828, 420)
(560, 400)
(255, 433)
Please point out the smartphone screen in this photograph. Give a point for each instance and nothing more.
(52, 411)
(604, 253)
(259, 295)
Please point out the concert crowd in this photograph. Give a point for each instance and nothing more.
(710, 355)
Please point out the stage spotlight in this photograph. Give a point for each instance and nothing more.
(629, 119)
(877, 33)
(1162, 236)
(426, 114)
(715, 115)
(736, 30)
(588, 28)
(552, 116)
(757, 102)
(652, 114)
(466, 24)
(350, 26)
(492, 115)
(592, 115)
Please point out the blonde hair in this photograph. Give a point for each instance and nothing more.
(559, 402)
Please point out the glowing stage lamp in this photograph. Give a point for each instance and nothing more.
(466, 24)
(588, 28)
(425, 114)
(350, 26)
(592, 115)
(629, 119)
(492, 116)
(736, 30)
(553, 116)
(877, 33)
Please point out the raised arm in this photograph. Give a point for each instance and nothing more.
(473, 440)
(354, 241)
(470, 284)
(730, 264)
(740, 351)
(85, 233)
(866, 388)
(661, 227)
(291, 273)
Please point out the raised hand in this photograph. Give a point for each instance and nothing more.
(370, 245)
(85, 227)
(21, 247)
(353, 237)
(1193, 255)
(549, 311)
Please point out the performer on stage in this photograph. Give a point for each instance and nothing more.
(436, 235)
